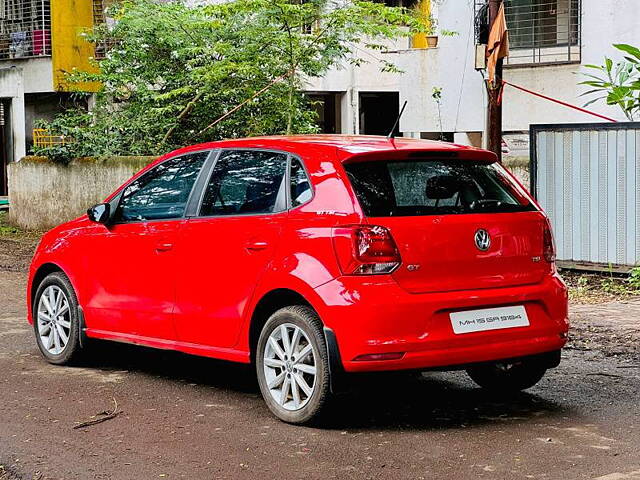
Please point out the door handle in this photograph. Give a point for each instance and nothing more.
(256, 245)
(164, 247)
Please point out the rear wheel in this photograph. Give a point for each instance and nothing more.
(292, 365)
(507, 376)
(55, 319)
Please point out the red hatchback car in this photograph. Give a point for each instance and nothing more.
(312, 257)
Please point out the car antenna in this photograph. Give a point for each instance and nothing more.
(395, 124)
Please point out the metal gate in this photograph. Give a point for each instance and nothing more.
(587, 178)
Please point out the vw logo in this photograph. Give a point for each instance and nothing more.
(483, 240)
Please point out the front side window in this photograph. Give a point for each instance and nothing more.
(245, 182)
(163, 191)
(300, 186)
(433, 187)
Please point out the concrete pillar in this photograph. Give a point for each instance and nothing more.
(349, 112)
(472, 139)
(12, 87)
(411, 134)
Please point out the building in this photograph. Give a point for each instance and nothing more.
(550, 40)
(40, 40)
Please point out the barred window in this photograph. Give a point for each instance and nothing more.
(25, 28)
(543, 31)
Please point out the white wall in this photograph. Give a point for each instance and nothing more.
(351, 80)
(37, 73)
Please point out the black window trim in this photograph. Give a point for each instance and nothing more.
(115, 202)
(290, 206)
(194, 213)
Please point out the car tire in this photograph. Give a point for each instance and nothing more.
(57, 314)
(283, 367)
(506, 376)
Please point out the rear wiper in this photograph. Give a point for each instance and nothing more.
(484, 203)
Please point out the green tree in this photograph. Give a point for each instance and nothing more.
(175, 74)
(618, 83)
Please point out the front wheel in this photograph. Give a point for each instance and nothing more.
(55, 319)
(292, 365)
(507, 376)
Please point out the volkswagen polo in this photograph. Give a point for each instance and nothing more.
(312, 257)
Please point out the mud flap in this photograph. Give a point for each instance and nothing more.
(336, 371)
(82, 335)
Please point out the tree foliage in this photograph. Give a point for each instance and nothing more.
(175, 74)
(618, 83)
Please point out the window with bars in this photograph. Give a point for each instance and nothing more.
(543, 31)
(101, 19)
(540, 31)
(25, 28)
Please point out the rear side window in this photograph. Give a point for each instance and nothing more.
(246, 182)
(300, 186)
(433, 187)
(163, 191)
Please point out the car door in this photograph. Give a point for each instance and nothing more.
(131, 275)
(226, 247)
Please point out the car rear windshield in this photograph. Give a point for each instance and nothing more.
(433, 187)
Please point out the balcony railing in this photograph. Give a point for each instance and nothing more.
(42, 138)
(25, 28)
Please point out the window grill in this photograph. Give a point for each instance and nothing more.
(99, 7)
(101, 19)
(542, 31)
(25, 28)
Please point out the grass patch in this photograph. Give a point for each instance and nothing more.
(590, 287)
(12, 232)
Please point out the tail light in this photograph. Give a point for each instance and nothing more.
(548, 245)
(365, 250)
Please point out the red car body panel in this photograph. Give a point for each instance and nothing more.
(193, 284)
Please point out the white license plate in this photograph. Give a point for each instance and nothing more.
(489, 319)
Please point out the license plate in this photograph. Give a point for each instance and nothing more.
(489, 319)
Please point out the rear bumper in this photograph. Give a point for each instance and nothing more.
(376, 316)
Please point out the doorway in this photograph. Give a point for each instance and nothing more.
(327, 107)
(378, 112)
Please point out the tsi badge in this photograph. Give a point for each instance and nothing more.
(483, 240)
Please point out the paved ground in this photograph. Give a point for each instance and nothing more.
(186, 417)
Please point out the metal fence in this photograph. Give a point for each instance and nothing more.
(587, 178)
(25, 28)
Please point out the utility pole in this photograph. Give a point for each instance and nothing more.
(494, 108)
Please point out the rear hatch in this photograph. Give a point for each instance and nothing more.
(459, 224)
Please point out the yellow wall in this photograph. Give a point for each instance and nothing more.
(424, 10)
(69, 50)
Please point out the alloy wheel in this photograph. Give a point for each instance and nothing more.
(290, 366)
(54, 320)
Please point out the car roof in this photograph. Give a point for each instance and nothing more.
(346, 146)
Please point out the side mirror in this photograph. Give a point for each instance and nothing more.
(100, 213)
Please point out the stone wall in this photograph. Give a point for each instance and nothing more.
(43, 194)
